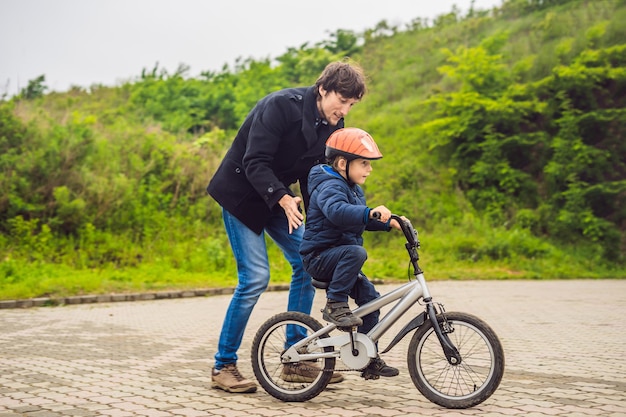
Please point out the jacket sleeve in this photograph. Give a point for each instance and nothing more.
(374, 225)
(336, 207)
(304, 190)
(269, 124)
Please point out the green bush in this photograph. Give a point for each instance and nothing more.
(502, 135)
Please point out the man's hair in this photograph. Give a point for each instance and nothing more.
(343, 77)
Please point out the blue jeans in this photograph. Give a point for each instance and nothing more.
(341, 266)
(254, 275)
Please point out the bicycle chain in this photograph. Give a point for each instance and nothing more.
(364, 374)
(305, 368)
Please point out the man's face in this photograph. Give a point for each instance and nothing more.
(333, 106)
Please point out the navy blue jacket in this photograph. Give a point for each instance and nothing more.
(337, 214)
(276, 146)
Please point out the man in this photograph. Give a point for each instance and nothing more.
(281, 139)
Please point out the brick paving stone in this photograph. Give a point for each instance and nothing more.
(153, 356)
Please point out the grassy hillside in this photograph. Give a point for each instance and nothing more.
(502, 133)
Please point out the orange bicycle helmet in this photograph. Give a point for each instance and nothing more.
(352, 143)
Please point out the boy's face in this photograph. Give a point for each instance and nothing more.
(333, 106)
(359, 170)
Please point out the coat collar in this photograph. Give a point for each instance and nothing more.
(311, 118)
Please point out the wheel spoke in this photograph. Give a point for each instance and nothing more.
(267, 347)
(465, 384)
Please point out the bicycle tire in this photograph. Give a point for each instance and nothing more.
(268, 345)
(464, 385)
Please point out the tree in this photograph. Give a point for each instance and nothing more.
(554, 146)
(34, 89)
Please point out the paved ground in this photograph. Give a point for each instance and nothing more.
(565, 343)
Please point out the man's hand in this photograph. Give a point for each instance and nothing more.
(291, 207)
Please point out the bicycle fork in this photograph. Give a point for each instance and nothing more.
(430, 314)
(441, 330)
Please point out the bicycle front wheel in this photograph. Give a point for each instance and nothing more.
(309, 378)
(462, 385)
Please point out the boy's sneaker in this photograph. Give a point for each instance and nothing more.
(230, 380)
(305, 371)
(378, 368)
(339, 314)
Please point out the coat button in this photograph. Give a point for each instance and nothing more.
(270, 190)
(238, 170)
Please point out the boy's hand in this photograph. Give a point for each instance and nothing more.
(384, 212)
(291, 206)
(394, 223)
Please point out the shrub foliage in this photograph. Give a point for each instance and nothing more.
(511, 120)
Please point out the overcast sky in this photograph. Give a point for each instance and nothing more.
(85, 42)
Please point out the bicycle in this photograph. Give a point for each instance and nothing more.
(454, 359)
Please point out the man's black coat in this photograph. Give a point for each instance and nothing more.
(277, 144)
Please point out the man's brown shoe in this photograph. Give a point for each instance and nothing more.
(229, 379)
(305, 371)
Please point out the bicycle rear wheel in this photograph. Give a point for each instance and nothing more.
(468, 383)
(268, 345)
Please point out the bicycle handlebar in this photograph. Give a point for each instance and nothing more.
(407, 228)
(411, 236)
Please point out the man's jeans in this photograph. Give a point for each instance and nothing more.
(254, 276)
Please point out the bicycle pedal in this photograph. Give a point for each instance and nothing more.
(368, 375)
(345, 328)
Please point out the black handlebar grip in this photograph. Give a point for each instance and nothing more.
(375, 215)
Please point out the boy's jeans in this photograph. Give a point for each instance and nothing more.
(341, 266)
(254, 275)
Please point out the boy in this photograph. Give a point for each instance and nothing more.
(332, 246)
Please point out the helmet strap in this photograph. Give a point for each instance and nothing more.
(350, 183)
(336, 167)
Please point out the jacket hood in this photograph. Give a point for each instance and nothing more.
(321, 173)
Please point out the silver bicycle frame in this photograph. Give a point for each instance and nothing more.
(407, 294)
